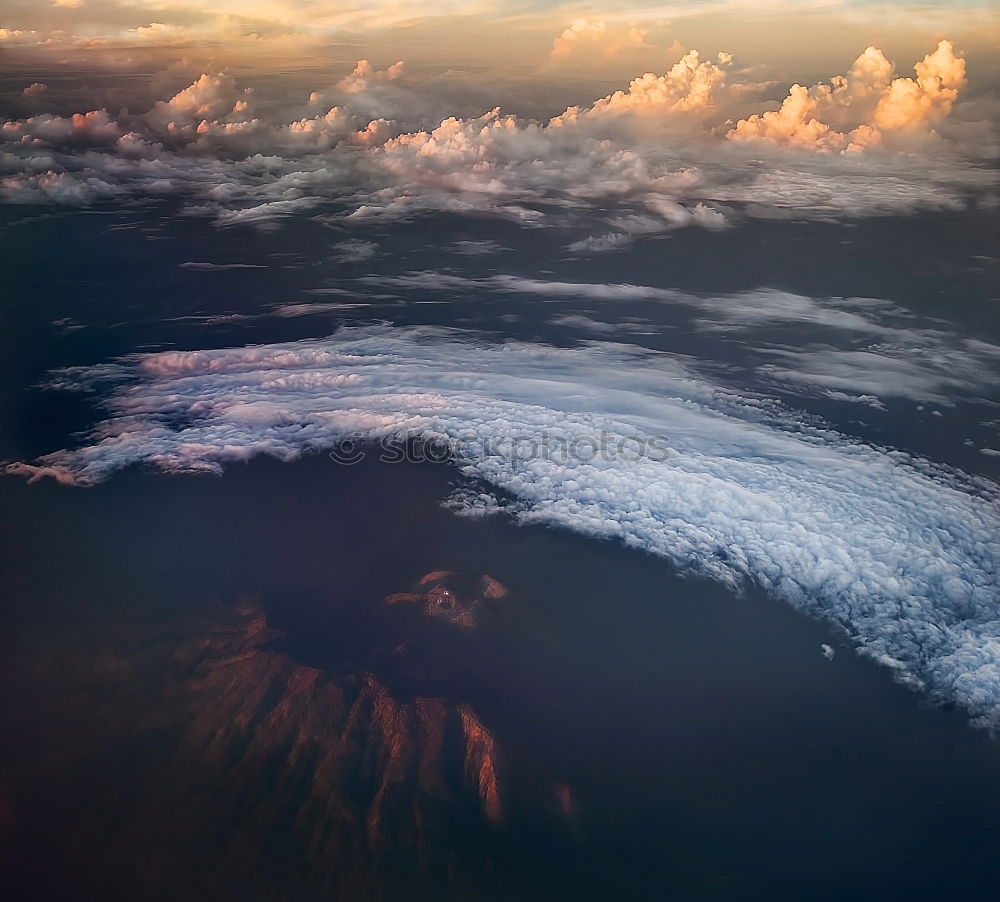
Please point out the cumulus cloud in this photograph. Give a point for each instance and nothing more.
(864, 108)
(901, 554)
(579, 32)
(95, 127)
(585, 41)
(638, 162)
(212, 101)
(388, 95)
(57, 187)
(689, 86)
(365, 76)
(914, 104)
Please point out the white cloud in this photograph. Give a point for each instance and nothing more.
(902, 555)
(923, 366)
(587, 324)
(596, 244)
(900, 357)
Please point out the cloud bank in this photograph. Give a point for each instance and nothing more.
(663, 153)
(902, 554)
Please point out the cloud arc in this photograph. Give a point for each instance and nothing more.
(902, 554)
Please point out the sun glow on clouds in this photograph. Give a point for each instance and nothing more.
(586, 40)
(901, 554)
(612, 24)
(661, 154)
(869, 98)
(97, 24)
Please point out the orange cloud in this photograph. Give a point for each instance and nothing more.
(687, 86)
(863, 108)
(210, 98)
(918, 103)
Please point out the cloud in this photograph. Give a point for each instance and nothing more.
(57, 187)
(266, 212)
(867, 105)
(212, 101)
(365, 76)
(916, 104)
(597, 244)
(689, 86)
(354, 250)
(297, 29)
(581, 32)
(580, 323)
(585, 42)
(854, 349)
(636, 163)
(900, 554)
(95, 127)
(924, 366)
(478, 248)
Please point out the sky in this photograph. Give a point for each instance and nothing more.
(527, 36)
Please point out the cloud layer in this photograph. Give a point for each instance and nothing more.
(900, 553)
(854, 349)
(659, 155)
